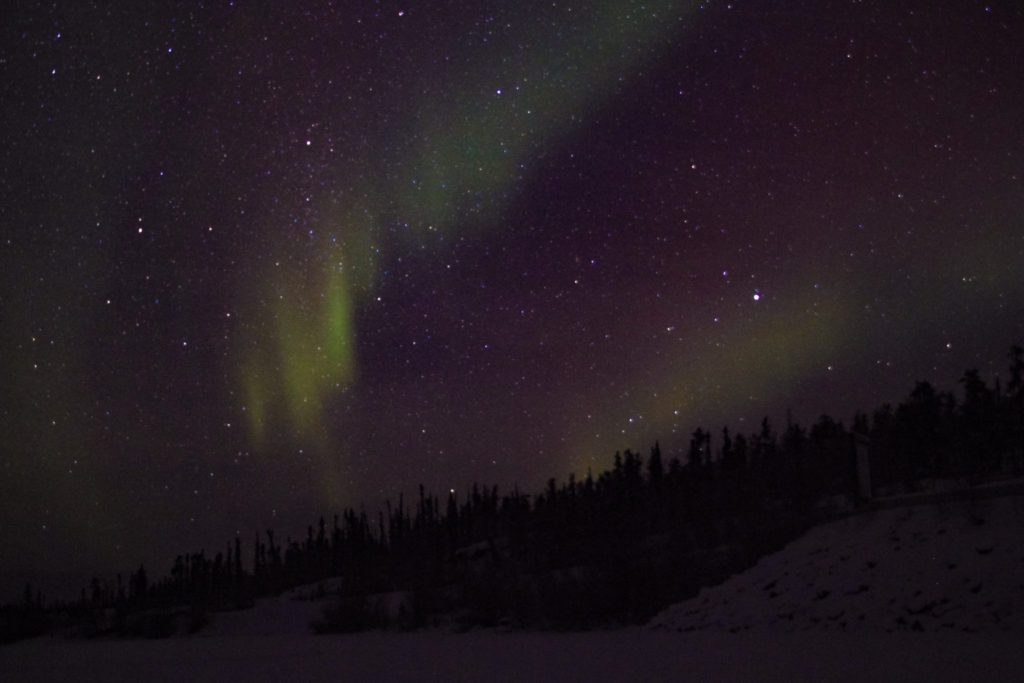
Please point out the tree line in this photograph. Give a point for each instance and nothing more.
(603, 549)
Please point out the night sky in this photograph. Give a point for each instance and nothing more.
(263, 260)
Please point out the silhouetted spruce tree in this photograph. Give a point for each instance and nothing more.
(695, 456)
(977, 411)
(919, 439)
(1014, 408)
(654, 499)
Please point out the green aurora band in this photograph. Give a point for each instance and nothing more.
(470, 153)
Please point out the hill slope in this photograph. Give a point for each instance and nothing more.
(953, 566)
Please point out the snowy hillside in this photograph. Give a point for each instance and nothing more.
(956, 566)
(946, 569)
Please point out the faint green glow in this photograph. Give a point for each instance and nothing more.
(307, 353)
(339, 358)
(778, 349)
(467, 154)
(476, 145)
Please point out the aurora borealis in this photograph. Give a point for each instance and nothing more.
(263, 260)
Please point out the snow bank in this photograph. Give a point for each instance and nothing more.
(957, 566)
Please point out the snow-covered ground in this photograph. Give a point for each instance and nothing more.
(633, 655)
(946, 579)
(956, 566)
(291, 613)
